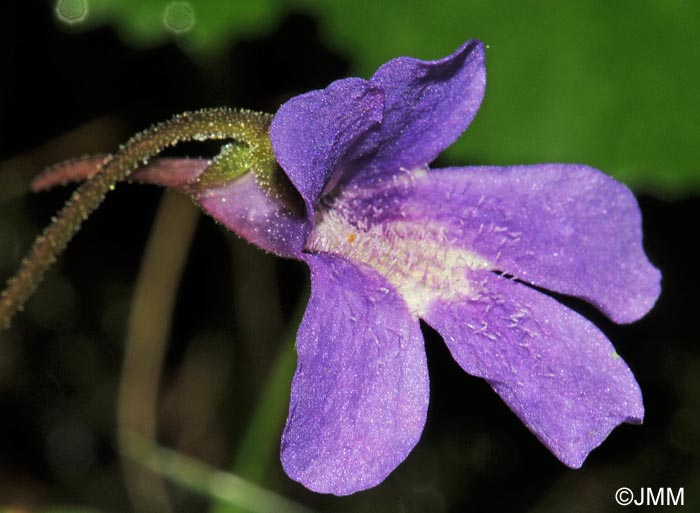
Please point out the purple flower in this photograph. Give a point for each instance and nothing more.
(390, 241)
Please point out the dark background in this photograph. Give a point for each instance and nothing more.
(65, 93)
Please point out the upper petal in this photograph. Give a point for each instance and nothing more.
(428, 104)
(403, 117)
(568, 228)
(360, 392)
(314, 134)
(552, 367)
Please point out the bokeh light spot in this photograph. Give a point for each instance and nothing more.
(179, 17)
(71, 12)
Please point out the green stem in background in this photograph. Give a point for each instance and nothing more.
(245, 126)
(201, 478)
(150, 322)
(261, 439)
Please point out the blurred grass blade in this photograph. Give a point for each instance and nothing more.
(150, 323)
(202, 478)
(51, 509)
(262, 437)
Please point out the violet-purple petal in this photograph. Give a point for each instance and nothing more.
(552, 367)
(256, 215)
(567, 228)
(427, 106)
(241, 205)
(313, 135)
(402, 118)
(360, 393)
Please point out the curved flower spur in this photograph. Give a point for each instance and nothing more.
(390, 241)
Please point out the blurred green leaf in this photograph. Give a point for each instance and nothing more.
(214, 23)
(194, 475)
(53, 509)
(604, 83)
(70, 509)
(610, 84)
(262, 437)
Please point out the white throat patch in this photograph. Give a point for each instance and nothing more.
(415, 257)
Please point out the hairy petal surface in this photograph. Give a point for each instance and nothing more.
(552, 367)
(314, 134)
(568, 228)
(172, 172)
(256, 215)
(241, 204)
(360, 392)
(428, 104)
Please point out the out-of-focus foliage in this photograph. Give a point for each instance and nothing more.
(55, 509)
(610, 84)
(202, 26)
(605, 83)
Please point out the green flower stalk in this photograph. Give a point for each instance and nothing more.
(246, 127)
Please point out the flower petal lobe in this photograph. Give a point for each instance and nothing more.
(567, 228)
(360, 392)
(428, 104)
(315, 133)
(553, 368)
